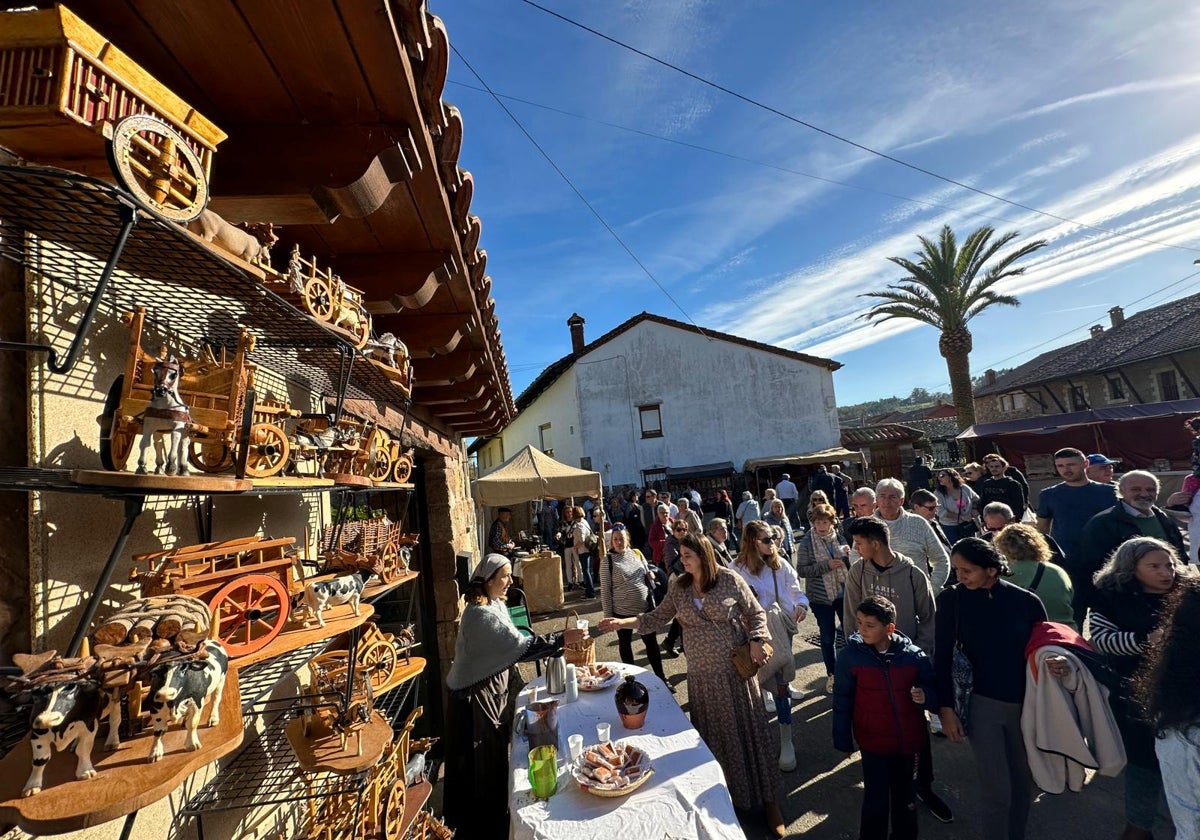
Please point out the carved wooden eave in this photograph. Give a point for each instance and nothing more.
(338, 133)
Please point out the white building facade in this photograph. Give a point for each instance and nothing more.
(656, 394)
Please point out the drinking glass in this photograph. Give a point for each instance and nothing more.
(603, 732)
(575, 742)
(543, 771)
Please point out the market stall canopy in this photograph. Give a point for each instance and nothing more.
(1054, 422)
(532, 474)
(701, 470)
(822, 456)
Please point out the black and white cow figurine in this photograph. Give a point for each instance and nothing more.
(179, 689)
(66, 716)
(322, 594)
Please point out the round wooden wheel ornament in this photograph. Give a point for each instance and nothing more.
(318, 298)
(403, 469)
(156, 165)
(210, 456)
(381, 464)
(250, 611)
(115, 442)
(393, 810)
(362, 331)
(269, 450)
(389, 556)
(379, 661)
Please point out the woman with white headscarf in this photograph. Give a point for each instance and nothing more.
(479, 714)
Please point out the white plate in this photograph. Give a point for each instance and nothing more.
(599, 788)
(591, 685)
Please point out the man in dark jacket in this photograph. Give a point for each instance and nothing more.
(823, 481)
(1001, 487)
(1135, 515)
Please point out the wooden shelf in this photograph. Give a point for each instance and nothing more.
(322, 749)
(182, 484)
(287, 482)
(404, 673)
(127, 781)
(337, 621)
(392, 485)
(376, 588)
(350, 480)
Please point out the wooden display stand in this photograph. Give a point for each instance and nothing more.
(184, 485)
(322, 748)
(338, 620)
(542, 576)
(126, 782)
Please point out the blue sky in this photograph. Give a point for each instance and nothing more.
(1082, 109)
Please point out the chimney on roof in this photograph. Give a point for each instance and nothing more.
(1097, 330)
(1117, 314)
(575, 322)
(989, 377)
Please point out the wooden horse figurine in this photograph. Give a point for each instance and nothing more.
(167, 414)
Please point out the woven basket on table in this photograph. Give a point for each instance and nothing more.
(583, 653)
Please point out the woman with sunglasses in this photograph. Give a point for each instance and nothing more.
(625, 582)
(957, 506)
(660, 529)
(718, 612)
(674, 566)
(774, 583)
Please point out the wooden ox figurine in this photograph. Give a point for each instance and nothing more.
(181, 689)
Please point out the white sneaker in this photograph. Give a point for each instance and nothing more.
(796, 693)
(935, 724)
(829, 684)
(768, 701)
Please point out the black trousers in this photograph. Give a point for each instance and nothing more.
(925, 764)
(888, 793)
(650, 640)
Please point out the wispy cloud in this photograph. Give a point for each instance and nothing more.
(1128, 89)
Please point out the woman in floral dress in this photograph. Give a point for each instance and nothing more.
(718, 611)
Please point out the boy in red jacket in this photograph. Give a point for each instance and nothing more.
(881, 683)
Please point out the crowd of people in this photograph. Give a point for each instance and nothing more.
(929, 597)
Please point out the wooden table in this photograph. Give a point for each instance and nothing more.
(686, 798)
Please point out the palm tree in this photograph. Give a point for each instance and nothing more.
(945, 288)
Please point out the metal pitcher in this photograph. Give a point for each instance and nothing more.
(556, 674)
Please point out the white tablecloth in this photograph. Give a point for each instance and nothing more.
(686, 798)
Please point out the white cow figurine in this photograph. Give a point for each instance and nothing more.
(66, 716)
(322, 594)
(179, 689)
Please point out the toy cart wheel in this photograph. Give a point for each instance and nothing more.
(380, 466)
(379, 661)
(403, 469)
(115, 442)
(268, 450)
(318, 298)
(393, 810)
(389, 557)
(250, 611)
(362, 330)
(210, 456)
(156, 165)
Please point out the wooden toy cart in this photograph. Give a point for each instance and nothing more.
(379, 656)
(322, 294)
(67, 89)
(247, 583)
(215, 392)
(362, 448)
(375, 545)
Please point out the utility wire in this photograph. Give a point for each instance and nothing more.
(740, 158)
(842, 139)
(577, 192)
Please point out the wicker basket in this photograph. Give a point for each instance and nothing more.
(583, 653)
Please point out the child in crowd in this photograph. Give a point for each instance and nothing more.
(881, 683)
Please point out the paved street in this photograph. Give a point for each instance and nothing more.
(825, 791)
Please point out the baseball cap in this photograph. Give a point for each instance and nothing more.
(1096, 459)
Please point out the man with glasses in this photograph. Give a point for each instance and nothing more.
(910, 534)
(925, 505)
(887, 573)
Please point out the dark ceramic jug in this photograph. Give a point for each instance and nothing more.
(633, 699)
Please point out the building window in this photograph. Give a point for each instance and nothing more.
(1078, 398)
(546, 437)
(1168, 386)
(651, 419)
(654, 477)
(1116, 389)
(1008, 403)
(585, 463)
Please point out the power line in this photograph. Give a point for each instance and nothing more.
(740, 158)
(577, 192)
(846, 140)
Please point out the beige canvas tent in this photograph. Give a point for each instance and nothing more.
(531, 474)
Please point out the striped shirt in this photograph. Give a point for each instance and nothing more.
(625, 595)
(1108, 637)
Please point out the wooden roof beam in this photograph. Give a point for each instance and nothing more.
(426, 336)
(472, 389)
(397, 280)
(447, 370)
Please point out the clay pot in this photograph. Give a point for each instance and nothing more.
(633, 699)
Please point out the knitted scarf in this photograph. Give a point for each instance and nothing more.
(488, 644)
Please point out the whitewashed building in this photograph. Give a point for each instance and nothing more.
(657, 399)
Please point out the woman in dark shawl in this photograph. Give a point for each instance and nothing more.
(479, 716)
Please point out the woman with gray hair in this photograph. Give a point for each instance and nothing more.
(1130, 591)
